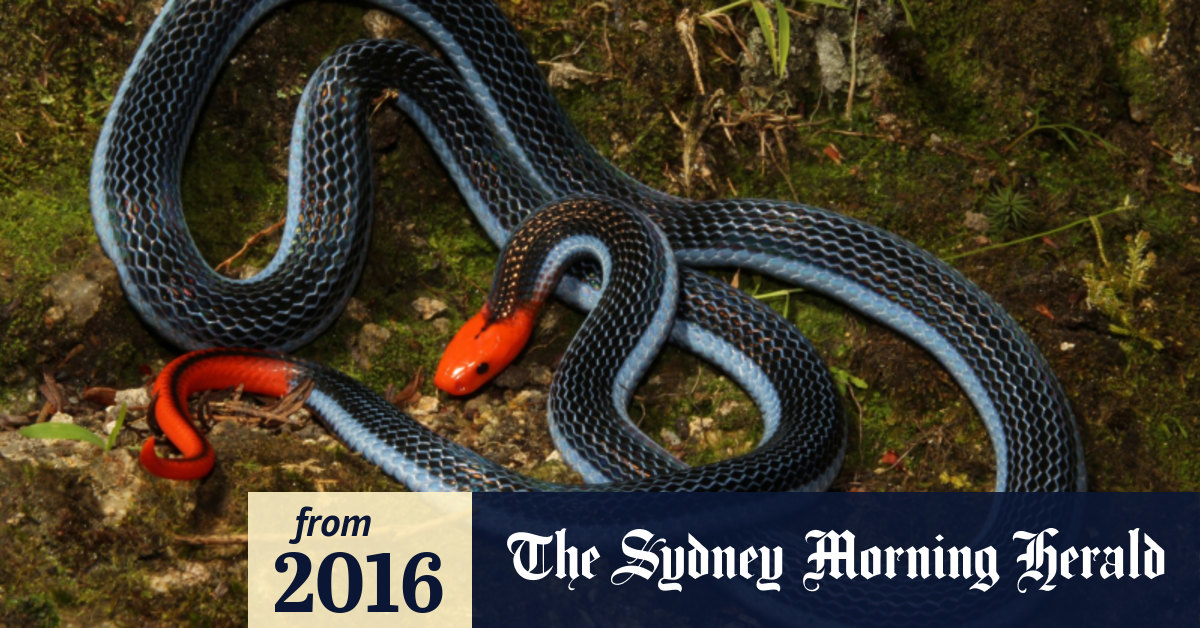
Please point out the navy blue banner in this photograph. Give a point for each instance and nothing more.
(843, 559)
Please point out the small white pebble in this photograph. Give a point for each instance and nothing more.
(132, 397)
(427, 405)
(428, 308)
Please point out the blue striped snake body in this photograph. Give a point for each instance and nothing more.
(509, 148)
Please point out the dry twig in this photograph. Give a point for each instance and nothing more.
(223, 267)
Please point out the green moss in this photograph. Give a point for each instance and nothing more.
(45, 230)
(1139, 80)
(35, 611)
(99, 574)
(44, 233)
(971, 85)
(234, 175)
(60, 77)
(229, 198)
(60, 74)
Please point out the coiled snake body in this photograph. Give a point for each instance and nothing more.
(510, 149)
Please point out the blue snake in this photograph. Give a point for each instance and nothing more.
(509, 148)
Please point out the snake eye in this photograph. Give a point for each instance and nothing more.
(482, 369)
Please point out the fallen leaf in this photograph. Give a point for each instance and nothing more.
(101, 395)
(1044, 311)
(409, 392)
(892, 460)
(52, 392)
(1191, 187)
(833, 153)
(564, 74)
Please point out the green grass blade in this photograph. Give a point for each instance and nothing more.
(63, 431)
(829, 3)
(732, 5)
(1094, 219)
(112, 436)
(768, 29)
(776, 294)
(1063, 135)
(785, 36)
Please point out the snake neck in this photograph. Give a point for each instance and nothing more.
(638, 281)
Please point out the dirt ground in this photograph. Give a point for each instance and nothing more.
(1046, 150)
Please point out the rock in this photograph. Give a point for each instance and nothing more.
(476, 403)
(112, 476)
(831, 60)
(541, 375)
(428, 308)
(368, 343)
(382, 25)
(727, 407)
(117, 483)
(755, 60)
(357, 310)
(514, 377)
(976, 222)
(700, 430)
(527, 400)
(184, 576)
(484, 419)
(76, 299)
(425, 405)
(76, 296)
(1139, 112)
(132, 398)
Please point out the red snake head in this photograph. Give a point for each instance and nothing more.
(481, 349)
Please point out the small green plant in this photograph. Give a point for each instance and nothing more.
(70, 431)
(1114, 288)
(1063, 130)
(777, 32)
(844, 380)
(786, 294)
(1092, 219)
(1008, 208)
(284, 93)
(907, 14)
